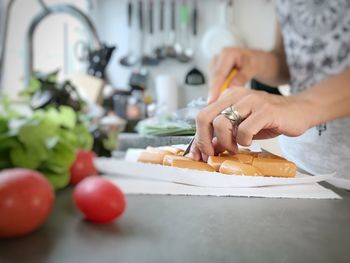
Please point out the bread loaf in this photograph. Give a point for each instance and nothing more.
(243, 158)
(240, 151)
(216, 161)
(237, 168)
(244, 162)
(168, 159)
(268, 155)
(171, 149)
(155, 157)
(159, 150)
(275, 167)
(194, 165)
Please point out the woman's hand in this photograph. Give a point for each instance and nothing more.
(247, 62)
(263, 116)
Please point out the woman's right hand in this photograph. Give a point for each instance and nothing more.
(245, 60)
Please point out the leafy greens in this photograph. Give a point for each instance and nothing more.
(46, 141)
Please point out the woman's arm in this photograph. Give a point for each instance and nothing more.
(328, 100)
(266, 116)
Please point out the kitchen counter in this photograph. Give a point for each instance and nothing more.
(135, 140)
(192, 229)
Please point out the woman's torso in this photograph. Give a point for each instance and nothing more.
(316, 36)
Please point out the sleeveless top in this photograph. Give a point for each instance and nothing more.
(316, 36)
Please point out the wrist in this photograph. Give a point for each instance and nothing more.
(306, 110)
(260, 59)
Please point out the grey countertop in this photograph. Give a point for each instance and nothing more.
(135, 140)
(192, 229)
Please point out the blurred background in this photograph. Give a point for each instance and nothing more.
(137, 59)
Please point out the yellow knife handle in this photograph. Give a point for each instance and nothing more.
(228, 80)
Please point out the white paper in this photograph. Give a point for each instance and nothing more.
(306, 191)
(141, 178)
(342, 183)
(197, 178)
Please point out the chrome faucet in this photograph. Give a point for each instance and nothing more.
(49, 10)
(4, 30)
(99, 54)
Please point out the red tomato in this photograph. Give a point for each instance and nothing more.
(83, 166)
(26, 199)
(100, 200)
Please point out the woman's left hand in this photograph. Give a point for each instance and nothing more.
(262, 115)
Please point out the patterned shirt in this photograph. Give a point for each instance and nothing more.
(316, 36)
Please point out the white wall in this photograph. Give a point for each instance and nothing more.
(255, 18)
(2, 19)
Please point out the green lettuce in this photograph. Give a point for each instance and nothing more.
(46, 141)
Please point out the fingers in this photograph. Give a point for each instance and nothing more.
(226, 99)
(228, 59)
(251, 126)
(225, 139)
(204, 134)
(256, 115)
(205, 118)
(218, 148)
(225, 132)
(194, 153)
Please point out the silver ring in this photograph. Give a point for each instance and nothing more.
(232, 115)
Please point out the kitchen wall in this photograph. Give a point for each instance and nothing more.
(2, 16)
(255, 19)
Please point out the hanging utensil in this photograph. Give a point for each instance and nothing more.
(4, 27)
(223, 35)
(184, 53)
(130, 58)
(161, 50)
(189, 49)
(170, 49)
(150, 59)
(195, 76)
(139, 75)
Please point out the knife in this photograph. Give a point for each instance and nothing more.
(224, 87)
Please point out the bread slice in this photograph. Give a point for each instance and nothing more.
(237, 168)
(275, 167)
(216, 161)
(194, 165)
(268, 155)
(155, 157)
(168, 159)
(171, 149)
